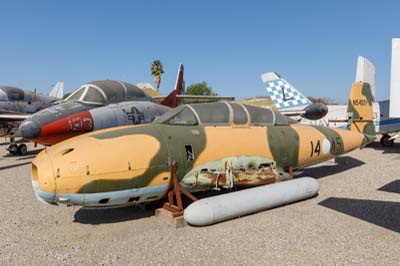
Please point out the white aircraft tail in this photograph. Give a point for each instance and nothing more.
(366, 73)
(58, 90)
(394, 109)
(282, 93)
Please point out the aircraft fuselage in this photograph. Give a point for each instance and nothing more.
(132, 164)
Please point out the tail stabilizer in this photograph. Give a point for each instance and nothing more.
(172, 100)
(359, 109)
(58, 90)
(282, 93)
(366, 73)
(394, 109)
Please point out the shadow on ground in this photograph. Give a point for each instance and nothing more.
(13, 165)
(120, 214)
(28, 155)
(112, 215)
(385, 150)
(381, 213)
(341, 164)
(393, 187)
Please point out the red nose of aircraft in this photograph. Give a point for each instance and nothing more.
(57, 130)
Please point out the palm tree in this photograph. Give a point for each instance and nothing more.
(156, 71)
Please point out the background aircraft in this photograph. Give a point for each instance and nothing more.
(103, 104)
(386, 112)
(282, 96)
(178, 96)
(94, 105)
(386, 116)
(215, 145)
(16, 105)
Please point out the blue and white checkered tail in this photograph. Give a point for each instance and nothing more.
(282, 93)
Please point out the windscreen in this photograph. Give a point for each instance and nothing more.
(186, 117)
(94, 96)
(76, 95)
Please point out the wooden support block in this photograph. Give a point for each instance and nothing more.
(167, 217)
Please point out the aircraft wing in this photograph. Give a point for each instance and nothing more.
(158, 98)
(13, 117)
(259, 101)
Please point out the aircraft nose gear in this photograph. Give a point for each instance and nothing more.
(386, 141)
(22, 149)
(15, 149)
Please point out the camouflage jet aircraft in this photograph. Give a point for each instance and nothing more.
(215, 145)
(16, 105)
(94, 105)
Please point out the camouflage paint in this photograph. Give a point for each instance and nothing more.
(287, 137)
(115, 163)
(134, 157)
(360, 106)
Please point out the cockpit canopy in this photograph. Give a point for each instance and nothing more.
(104, 92)
(8, 93)
(223, 114)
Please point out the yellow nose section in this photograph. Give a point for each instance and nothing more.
(69, 166)
(42, 173)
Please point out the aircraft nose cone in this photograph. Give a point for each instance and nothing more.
(44, 196)
(30, 129)
(43, 181)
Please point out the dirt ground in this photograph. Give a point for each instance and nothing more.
(355, 220)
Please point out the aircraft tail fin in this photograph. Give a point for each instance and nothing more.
(172, 100)
(58, 90)
(282, 93)
(366, 73)
(359, 109)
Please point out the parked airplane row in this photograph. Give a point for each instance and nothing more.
(17, 104)
(184, 147)
(386, 112)
(107, 103)
(103, 104)
(208, 144)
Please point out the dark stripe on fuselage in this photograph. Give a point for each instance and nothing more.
(284, 145)
(337, 146)
(172, 148)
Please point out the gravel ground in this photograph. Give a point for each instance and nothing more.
(355, 220)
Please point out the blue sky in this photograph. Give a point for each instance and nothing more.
(313, 44)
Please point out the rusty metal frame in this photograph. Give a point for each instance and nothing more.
(290, 171)
(176, 189)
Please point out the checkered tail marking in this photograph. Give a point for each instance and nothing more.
(291, 98)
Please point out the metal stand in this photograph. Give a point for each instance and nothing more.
(176, 189)
(291, 172)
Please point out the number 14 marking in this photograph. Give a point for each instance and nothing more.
(315, 149)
